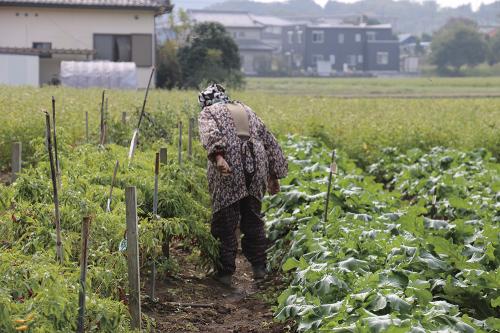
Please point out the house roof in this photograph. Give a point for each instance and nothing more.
(230, 19)
(115, 4)
(253, 45)
(272, 20)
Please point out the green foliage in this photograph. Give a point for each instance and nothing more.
(33, 284)
(494, 49)
(457, 44)
(210, 55)
(168, 69)
(420, 255)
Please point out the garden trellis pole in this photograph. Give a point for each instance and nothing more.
(16, 160)
(133, 257)
(59, 250)
(83, 274)
(108, 205)
(133, 142)
(101, 138)
(155, 217)
(56, 154)
(333, 170)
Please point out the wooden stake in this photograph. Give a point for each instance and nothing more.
(58, 167)
(87, 126)
(105, 133)
(101, 138)
(83, 274)
(155, 196)
(180, 144)
(333, 169)
(163, 155)
(108, 206)
(59, 250)
(133, 257)
(16, 160)
(124, 118)
(190, 134)
(155, 216)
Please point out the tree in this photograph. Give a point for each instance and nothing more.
(457, 44)
(168, 69)
(494, 49)
(210, 55)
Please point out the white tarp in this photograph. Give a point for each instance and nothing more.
(104, 74)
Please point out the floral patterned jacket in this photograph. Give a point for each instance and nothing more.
(218, 136)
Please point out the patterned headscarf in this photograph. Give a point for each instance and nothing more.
(214, 93)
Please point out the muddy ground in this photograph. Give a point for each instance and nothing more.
(194, 302)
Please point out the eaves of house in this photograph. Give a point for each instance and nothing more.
(159, 6)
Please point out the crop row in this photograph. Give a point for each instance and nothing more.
(410, 245)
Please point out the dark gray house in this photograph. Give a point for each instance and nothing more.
(327, 49)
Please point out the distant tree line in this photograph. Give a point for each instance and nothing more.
(459, 43)
(198, 54)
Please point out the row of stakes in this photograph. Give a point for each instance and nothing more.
(131, 238)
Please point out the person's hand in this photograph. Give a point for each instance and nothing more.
(222, 165)
(273, 186)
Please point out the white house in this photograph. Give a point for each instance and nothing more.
(37, 35)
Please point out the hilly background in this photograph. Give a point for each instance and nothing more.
(405, 16)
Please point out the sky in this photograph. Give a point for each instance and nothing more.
(444, 3)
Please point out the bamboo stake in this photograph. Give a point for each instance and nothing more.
(58, 167)
(108, 205)
(83, 274)
(133, 142)
(16, 160)
(155, 216)
(333, 170)
(101, 138)
(179, 157)
(133, 257)
(105, 127)
(59, 250)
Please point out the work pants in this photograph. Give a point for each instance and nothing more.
(246, 212)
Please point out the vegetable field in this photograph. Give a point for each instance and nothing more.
(410, 242)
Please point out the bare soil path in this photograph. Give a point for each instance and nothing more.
(194, 302)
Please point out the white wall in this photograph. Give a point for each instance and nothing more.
(19, 70)
(72, 28)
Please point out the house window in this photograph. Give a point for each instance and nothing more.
(371, 35)
(351, 60)
(299, 37)
(45, 48)
(241, 34)
(137, 48)
(316, 58)
(318, 37)
(382, 58)
(332, 59)
(360, 58)
(341, 38)
(357, 38)
(290, 37)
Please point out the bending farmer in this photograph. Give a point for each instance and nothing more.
(243, 160)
